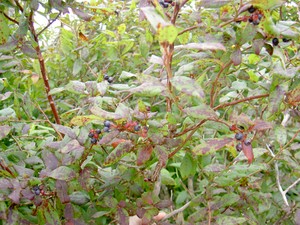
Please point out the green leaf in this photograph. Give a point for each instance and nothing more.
(200, 112)
(4, 31)
(188, 86)
(267, 4)
(155, 18)
(62, 173)
(230, 220)
(202, 46)
(77, 66)
(166, 178)
(79, 198)
(280, 134)
(167, 34)
(214, 3)
(188, 166)
(247, 34)
(84, 120)
(76, 87)
(149, 89)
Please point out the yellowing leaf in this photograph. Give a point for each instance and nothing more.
(167, 34)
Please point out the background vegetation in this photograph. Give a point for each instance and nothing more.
(196, 102)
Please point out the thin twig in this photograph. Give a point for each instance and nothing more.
(212, 93)
(188, 29)
(240, 100)
(49, 24)
(282, 192)
(19, 146)
(176, 211)
(47, 119)
(9, 18)
(187, 138)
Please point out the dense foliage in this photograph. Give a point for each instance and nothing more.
(110, 109)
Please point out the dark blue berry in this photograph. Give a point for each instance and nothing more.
(239, 147)
(106, 77)
(250, 19)
(98, 131)
(110, 80)
(256, 22)
(107, 123)
(36, 190)
(247, 142)
(275, 41)
(106, 129)
(94, 140)
(137, 127)
(285, 40)
(239, 136)
(251, 9)
(91, 135)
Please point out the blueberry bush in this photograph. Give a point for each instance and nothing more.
(115, 109)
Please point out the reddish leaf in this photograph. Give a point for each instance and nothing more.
(68, 213)
(123, 217)
(4, 131)
(144, 155)
(164, 204)
(65, 130)
(236, 57)
(5, 184)
(15, 195)
(50, 160)
(211, 146)
(257, 45)
(109, 137)
(27, 193)
(162, 154)
(248, 152)
(117, 142)
(72, 146)
(62, 191)
(121, 150)
(260, 125)
(82, 15)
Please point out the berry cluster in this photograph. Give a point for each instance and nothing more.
(94, 136)
(255, 17)
(166, 3)
(108, 78)
(275, 41)
(38, 190)
(107, 125)
(239, 136)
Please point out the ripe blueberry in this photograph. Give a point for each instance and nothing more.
(107, 123)
(239, 136)
(239, 147)
(36, 190)
(110, 80)
(94, 140)
(106, 77)
(251, 9)
(106, 129)
(250, 19)
(247, 142)
(285, 40)
(256, 22)
(137, 127)
(275, 41)
(91, 135)
(98, 131)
